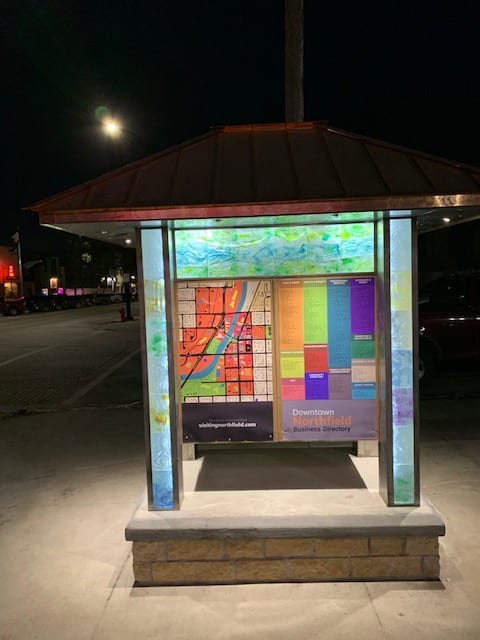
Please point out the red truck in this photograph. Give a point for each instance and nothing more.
(449, 321)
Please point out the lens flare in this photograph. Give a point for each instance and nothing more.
(101, 113)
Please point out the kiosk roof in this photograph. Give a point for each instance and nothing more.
(269, 169)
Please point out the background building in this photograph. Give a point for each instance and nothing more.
(10, 277)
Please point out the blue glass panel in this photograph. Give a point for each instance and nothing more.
(402, 330)
(289, 249)
(194, 256)
(157, 369)
(402, 370)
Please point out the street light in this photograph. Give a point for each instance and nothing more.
(111, 128)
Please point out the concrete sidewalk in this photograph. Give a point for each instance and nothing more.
(69, 483)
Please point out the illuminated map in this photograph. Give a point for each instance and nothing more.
(225, 341)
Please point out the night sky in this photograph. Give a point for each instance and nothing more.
(403, 72)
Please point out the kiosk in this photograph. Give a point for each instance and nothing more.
(277, 268)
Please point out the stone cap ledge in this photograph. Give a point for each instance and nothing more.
(150, 526)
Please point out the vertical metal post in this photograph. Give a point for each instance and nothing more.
(385, 459)
(416, 367)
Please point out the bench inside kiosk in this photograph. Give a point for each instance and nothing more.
(279, 340)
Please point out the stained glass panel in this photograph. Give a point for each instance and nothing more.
(157, 367)
(275, 251)
(402, 360)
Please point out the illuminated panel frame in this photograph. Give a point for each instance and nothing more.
(164, 479)
(405, 472)
(396, 250)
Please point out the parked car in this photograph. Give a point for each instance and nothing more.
(102, 298)
(63, 301)
(12, 306)
(449, 321)
(40, 303)
(89, 299)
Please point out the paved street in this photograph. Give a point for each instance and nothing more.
(66, 359)
(72, 471)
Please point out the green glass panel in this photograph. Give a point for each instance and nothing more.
(275, 251)
(403, 483)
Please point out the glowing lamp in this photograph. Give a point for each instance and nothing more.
(111, 127)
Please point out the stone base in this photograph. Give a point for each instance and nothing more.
(309, 559)
(297, 515)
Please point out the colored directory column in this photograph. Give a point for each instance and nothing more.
(327, 358)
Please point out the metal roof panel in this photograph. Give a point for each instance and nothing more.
(104, 194)
(306, 167)
(152, 183)
(447, 178)
(354, 166)
(399, 170)
(234, 180)
(274, 178)
(193, 179)
(314, 170)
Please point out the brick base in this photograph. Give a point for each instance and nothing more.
(302, 559)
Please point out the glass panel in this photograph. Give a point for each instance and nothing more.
(275, 251)
(402, 360)
(157, 368)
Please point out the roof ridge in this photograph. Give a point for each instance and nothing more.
(272, 126)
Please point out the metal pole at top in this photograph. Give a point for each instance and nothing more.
(294, 38)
